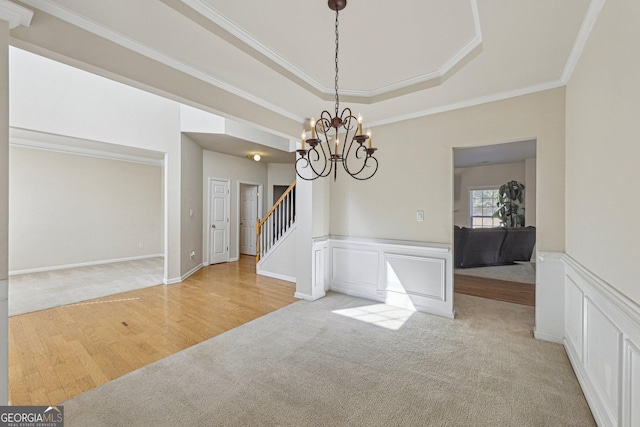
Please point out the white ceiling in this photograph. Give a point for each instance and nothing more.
(233, 146)
(397, 59)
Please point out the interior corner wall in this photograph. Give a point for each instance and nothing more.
(67, 209)
(224, 166)
(603, 103)
(51, 97)
(191, 224)
(483, 176)
(278, 174)
(416, 170)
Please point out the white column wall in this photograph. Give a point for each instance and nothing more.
(11, 16)
(4, 212)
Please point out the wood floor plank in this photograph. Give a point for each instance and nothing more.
(501, 290)
(58, 353)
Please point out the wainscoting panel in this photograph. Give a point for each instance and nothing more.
(415, 275)
(602, 340)
(355, 266)
(574, 317)
(319, 266)
(412, 275)
(631, 391)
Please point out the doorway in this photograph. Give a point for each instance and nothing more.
(219, 196)
(494, 259)
(249, 211)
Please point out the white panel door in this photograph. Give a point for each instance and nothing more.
(248, 216)
(218, 222)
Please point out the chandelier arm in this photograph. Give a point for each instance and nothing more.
(321, 174)
(372, 174)
(364, 162)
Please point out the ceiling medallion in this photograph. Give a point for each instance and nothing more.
(325, 151)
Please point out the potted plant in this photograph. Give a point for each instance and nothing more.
(510, 197)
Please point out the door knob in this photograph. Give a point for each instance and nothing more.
(213, 226)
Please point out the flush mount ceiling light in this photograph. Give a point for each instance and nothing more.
(325, 151)
(255, 157)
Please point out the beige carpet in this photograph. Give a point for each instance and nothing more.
(343, 361)
(48, 289)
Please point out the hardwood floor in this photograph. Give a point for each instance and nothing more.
(58, 353)
(501, 290)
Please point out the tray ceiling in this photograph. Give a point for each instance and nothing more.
(397, 59)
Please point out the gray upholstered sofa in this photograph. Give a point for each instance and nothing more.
(480, 247)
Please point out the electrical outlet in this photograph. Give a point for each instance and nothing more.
(420, 216)
(380, 293)
(140, 245)
(193, 254)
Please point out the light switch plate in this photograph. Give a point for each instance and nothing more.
(420, 216)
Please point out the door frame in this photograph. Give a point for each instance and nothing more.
(258, 201)
(453, 212)
(228, 214)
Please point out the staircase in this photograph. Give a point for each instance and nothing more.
(276, 223)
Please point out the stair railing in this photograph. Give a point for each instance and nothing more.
(276, 222)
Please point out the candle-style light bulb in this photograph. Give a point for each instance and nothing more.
(337, 142)
(304, 135)
(359, 124)
(370, 139)
(313, 128)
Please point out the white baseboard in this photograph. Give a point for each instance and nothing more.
(234, 259)
(277, 276)
(307, 297)
(82, 264)
(190, 272)
(171, 281)
(546, 337)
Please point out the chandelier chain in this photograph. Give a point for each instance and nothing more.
(337, 50)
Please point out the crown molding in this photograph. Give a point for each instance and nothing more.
(73, 18)
(589, 21)
(69, 145)
(238, 32)
(14, 14)
(363, 96)
(472, 102)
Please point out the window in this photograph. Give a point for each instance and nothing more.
(483, 204)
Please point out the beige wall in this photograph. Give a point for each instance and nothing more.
(416, 170)
(603, 125)
(223, 166)
(69, 209)
(191, 205)
(483, 176)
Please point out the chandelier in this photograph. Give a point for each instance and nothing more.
(325, 151)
